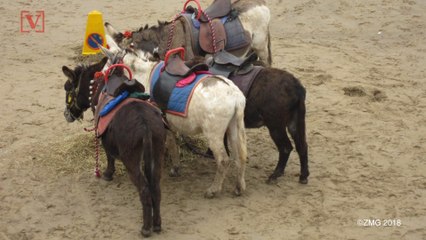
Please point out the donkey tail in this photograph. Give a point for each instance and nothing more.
(269, 48)
(297, 130)
(148, 160)
(238, 141)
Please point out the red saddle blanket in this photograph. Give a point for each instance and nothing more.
(102, 123)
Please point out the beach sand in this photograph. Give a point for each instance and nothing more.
(363, 66)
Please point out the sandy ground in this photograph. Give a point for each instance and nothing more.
(363, 65)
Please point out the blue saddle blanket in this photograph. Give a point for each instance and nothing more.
(180, 96)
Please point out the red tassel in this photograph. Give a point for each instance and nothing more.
(97, 173)
(99, 75)
(127, 34)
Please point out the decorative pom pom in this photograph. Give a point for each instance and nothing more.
(97, 173)
(127, 34)
(99, 75)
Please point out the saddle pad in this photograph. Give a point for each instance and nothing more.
(179, 98)
(236, 36)
(103, 122)
(244, 81)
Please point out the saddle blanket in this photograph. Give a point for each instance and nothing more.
(102, 122)
(182, 92)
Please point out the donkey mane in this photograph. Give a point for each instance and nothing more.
(160, 25)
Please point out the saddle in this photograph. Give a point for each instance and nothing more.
(241, 71)
(177, 67)
(173, 72)
(217, 10)
(225, 64)
(116, 93)
(118, 84)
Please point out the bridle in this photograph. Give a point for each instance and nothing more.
(72, 94)
(71, 100)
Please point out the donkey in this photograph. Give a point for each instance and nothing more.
(275, 99)
(253, 14)
(216, 108)
(142, 151)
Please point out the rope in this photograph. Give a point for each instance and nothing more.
(97, 171)
(213, 32)
(171, 31)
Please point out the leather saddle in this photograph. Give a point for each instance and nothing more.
(175, 66)
(218, 9)
(225, 64)
(175, 70)
(118, 84)
(113, 96)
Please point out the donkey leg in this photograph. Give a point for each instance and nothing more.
(141, 183)
(156, 200)
(222, 161)
(299, 138)
(110, 169)
(153, 173)
(146, 200)
(173, 151)
(281, 140)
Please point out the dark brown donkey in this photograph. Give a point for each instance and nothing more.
(275, 99)
(136, 135)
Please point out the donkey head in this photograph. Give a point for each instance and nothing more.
(77, 97)
(147, 39)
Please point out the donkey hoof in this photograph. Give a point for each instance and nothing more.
(273, 179)
(174, 172)
(107, 177)
(157, 229)
(274, 176)
(238, 192)
(146, 232)
(210, 194)
(303, 180)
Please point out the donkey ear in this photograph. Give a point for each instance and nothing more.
(100, 65)
(68, 72)
(111, 31)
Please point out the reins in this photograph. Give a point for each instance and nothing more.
(93, 87)
(97, 171)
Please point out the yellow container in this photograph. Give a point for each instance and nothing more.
(95, 33)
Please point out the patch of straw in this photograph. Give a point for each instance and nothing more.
(76, 155)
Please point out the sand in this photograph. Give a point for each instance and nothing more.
(363, 65)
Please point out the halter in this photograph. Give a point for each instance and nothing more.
(71, 100)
